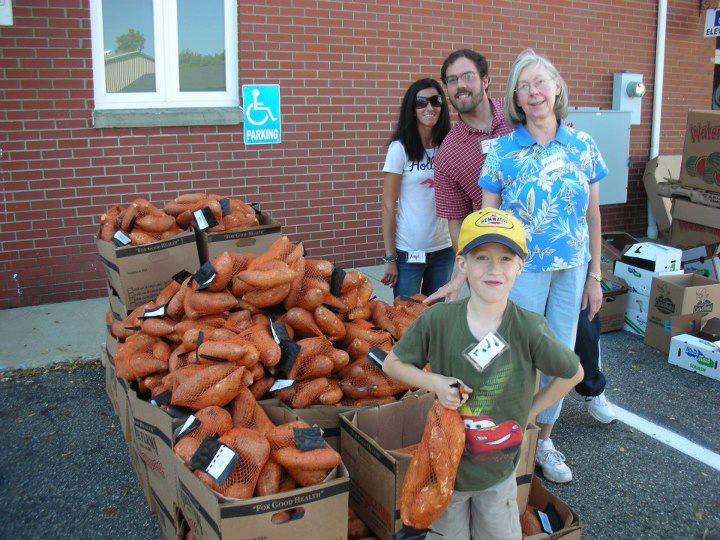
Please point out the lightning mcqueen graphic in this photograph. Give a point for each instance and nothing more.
(482, 436)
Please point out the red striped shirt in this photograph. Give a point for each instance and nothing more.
(458, 162)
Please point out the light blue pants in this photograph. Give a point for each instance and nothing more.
(557, 296)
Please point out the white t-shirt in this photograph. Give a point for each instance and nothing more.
(417, 228)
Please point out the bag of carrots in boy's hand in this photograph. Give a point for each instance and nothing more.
(430, 479)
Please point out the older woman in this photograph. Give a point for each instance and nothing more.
(547, 174)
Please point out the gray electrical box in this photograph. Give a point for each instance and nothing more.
(611, 132)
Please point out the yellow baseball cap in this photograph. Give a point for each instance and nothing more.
(492, 225)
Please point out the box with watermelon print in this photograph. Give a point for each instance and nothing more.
(701, 155)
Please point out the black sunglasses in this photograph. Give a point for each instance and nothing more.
(421, 102)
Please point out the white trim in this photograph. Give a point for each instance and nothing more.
(167, 94)
(665, 436)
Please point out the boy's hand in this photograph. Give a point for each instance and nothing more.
(451, 392)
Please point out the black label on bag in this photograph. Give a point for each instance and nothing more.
(153, 313)
(334, 309)
(225, 206)
(181, 276)
(410, 533)
(308, 438)
(161, 399)
(377, 355)
(120, 239)
(256, 206)
(409, 299)
(178, 412)
(205, 275)
(288, 348)
(336, 280)
(204, 219)
(190, 425)
(214, 458)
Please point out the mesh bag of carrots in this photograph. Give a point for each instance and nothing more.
(430, 479)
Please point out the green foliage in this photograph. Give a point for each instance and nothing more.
(130, 41)
(190, 58)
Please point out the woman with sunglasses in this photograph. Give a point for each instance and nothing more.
(418, 253)
(548, 175)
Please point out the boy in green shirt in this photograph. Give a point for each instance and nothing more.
(490, 349)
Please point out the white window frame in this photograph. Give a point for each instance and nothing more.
(167, 76)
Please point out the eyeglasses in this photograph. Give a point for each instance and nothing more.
(468, 76)
(421, 101)
(539, 85)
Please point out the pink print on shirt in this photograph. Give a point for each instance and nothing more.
(429, 182)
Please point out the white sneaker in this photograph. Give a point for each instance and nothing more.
(598, 407)
(552, 462)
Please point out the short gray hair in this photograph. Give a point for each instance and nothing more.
(514, 114)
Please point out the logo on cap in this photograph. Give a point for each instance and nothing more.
(494, 220)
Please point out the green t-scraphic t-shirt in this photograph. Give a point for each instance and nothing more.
(497, 411)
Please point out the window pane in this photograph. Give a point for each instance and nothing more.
(129, 46)
(201, 45)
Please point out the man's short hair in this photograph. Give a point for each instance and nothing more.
(478, 59)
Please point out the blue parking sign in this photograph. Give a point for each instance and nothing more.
(261, 114)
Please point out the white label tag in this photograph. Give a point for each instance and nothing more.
(416, 257)
(200, 219)
(485, 352)
(552, 163)
(121, 239)
(545, 521)
(186, 425)
(274, 334)
(221, 464)
(280, 384)
(486, 145)
(151, 313)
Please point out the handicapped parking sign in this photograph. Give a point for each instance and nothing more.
(261, 114)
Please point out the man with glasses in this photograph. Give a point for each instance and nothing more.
(462, 154)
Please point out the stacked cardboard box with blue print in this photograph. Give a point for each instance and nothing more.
(679, 302)
(638, 266)
(703, 260)
(700, 354)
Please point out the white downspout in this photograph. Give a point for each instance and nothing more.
(652, 230)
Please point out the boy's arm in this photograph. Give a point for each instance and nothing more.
(446, 389)
(556, 389)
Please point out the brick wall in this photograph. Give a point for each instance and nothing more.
(342, 67)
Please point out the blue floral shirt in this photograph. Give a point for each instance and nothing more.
(547, 188)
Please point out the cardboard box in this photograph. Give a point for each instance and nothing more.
(695, 354)
(111, 388)
(701, 162)
(614, 244)
(540, 498)
(367, 437)
(654, 257)
(639, 280)
(615, 299)
(141, 475)
(139, 273)
(254, 240)
(327, 417)
(694, 224)
(323, 514)
(111, 344)
(635, 322)
(683, 295)
(638, 302)
(118, 310)
(116, 390)
(165, 516)
(661, 169)
(659, 334)
(703, 260)
(152, 435)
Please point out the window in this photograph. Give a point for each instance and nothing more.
(156, 54)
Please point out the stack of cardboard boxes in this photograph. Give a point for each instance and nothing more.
(638, 265)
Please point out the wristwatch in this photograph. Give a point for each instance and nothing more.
(597, 277)
(389, 258)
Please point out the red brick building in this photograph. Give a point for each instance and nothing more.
(342, 68)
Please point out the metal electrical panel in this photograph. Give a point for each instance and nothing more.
(611, 132)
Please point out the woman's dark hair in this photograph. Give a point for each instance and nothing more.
(407, 132)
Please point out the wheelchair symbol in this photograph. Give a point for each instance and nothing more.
(258, 107)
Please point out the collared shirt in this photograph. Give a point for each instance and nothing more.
(548, 189)
(458, 163)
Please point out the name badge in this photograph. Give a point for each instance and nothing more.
(552, 163)
(416, 257)
(486, 145)
(484, 353)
